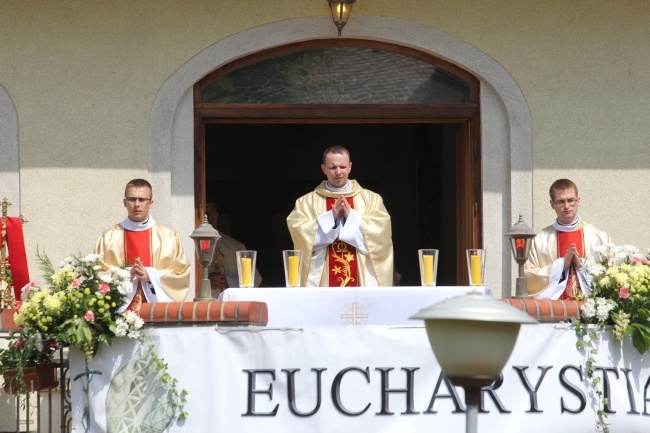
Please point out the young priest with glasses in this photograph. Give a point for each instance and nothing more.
(151, 252)
(553, 269)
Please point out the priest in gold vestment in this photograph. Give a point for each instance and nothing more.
(343, 230)
(151, 252)
(553, 269)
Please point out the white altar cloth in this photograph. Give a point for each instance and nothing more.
(340, 379)
(330, 306)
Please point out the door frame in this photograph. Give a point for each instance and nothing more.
(468, 161)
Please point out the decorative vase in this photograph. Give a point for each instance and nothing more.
(39, 378)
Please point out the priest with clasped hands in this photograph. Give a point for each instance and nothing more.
(343, 230)
(553, 269)
(151, 252)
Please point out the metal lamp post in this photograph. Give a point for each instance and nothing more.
(205, 239)
(521, 237)
(472, 337)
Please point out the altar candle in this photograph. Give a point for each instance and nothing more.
(293, 262)
(427, 268)
(246, 274)
(475, 265)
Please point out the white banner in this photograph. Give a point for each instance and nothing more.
(363, 378)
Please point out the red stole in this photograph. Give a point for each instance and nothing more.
(137, 245)
(564, 241)
(16, 249)
(342, 258)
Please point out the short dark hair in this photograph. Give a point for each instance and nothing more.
(336, 149)
(138, 183)
(560, 185)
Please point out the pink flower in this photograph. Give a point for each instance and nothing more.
(75, 283)
(641, 260)
(623, 293)
(89, 316)
(104, 288)
(18, 344)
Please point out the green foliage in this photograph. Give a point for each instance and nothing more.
(80, 307)
(26, 349)
(170, 383)
(587, 341)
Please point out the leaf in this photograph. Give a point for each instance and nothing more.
(640, 337)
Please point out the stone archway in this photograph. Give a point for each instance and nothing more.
(506, 123)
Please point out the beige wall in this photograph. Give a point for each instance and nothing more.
(83, 76)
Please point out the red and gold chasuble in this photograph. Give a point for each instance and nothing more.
(137, 245)
(342, 258)
(564, 241)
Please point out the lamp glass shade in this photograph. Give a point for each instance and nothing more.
(472, 336)
(205, 239)
(469, 348)
(340, 12)
(205, 249)
(520, 248)
(520, 239)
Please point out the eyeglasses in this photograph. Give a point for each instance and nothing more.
(132, 200)
(569, 201)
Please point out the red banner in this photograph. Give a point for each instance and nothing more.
(17, 256)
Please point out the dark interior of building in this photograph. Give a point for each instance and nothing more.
(257, 171)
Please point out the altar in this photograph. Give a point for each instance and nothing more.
(330, 306)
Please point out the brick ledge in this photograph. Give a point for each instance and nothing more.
(546, 310)
(231, 313)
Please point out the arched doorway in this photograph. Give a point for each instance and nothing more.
(410, 120)
(506, 125)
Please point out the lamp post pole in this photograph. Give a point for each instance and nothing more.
(472, 400)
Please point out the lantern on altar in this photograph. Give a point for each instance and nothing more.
(520, 239)
(205, 239)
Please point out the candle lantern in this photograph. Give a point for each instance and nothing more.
(341, 12)
(520, 240)
(205, 239)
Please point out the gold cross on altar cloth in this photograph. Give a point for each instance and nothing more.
(352, 312)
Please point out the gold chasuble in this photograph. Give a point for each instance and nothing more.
(373, 267)
(159, 245)
(548, 246)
